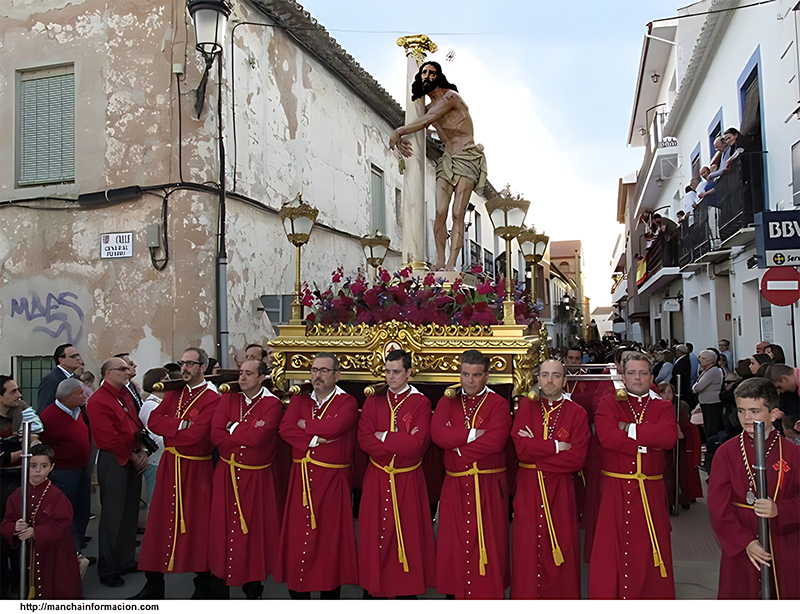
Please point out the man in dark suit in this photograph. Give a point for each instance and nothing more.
(683, 367)
(68, 364)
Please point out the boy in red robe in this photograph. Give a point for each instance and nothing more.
(631, 553)
(318, 542)
(176, 538)
(735, 509)
(472, 429)
(54, 572)
(551, 437)
(395, 547)
(244, 536)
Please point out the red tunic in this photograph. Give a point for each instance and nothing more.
(234, 555)
(622, 564)
(736, 527)
(321, 558)
(458, 555)
(380, 570)
(55, 573)
(535, 574)
(169, 545)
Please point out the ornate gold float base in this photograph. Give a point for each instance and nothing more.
(435, 351)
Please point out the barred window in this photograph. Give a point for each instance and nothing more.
(47, 126)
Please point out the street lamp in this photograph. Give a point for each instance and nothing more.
(507, 214)
(375, 249)
(533, 246)
(298, 222)
(210, 19)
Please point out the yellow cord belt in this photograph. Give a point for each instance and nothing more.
(642, 478)
(558, 558)
(307, 483)
(178, 456)
(392, 471)
(475, 472)
(234, 480)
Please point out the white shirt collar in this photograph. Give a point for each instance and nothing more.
(563, 395)
(650, 393)
(402, 391)
(480, 394)
(261, 394)
(203, 383)
(336, 391)
(72, 412)
(67, 373)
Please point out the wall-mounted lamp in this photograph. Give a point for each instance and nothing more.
(655, 77)
(659, 182)
(642, 131)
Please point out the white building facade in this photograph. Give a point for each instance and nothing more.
(719, 65)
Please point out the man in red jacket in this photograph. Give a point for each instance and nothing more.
(472, 429)
(120, 464)
(551, 437)
(176, 537)
(395, 531)
(244, 539)
(631, 553)
(67, 433)
(318, 543)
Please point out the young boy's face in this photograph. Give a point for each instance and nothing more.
(753, 410)
(40, 468)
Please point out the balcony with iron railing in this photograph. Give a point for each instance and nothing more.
(738, 196)
(655, 142)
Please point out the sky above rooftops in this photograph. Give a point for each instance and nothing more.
(550, 87)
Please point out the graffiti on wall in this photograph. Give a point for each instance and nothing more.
(59, 316)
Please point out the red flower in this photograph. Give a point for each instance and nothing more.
(485, 287)
(365, 317)
(385, 276)
(457, 284)
(308, 299)
(481, 307)
(336, 277)
(476, 268)
(461, 298)
(311, 317)
(404, 273)
(357, 287)
(430, 280)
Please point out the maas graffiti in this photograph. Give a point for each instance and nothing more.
(55, 311)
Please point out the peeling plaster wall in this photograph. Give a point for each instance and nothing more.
(299, 129)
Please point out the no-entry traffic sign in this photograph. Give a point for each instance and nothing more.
(781, 286)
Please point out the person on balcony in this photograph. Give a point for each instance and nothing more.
(670, 232)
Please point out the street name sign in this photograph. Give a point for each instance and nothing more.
(116, 245)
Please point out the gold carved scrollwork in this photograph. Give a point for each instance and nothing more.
(417, 46)
(523, 373)
(279, 369)
(454, 330)
(301, 362)
(357, 362)
(544, 344)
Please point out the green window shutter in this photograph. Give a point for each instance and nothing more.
(47, 129)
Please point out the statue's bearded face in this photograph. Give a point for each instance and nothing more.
(429, 78)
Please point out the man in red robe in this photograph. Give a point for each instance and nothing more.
(54, 572)
(472, 429)
(631, 553)
(244, 540)
(318, 545)
(177, 534)
(551, 437)
(395, 530)
(735, 509)
(581, 393)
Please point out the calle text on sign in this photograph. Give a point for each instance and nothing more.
(116, 245)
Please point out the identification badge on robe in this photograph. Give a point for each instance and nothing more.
(750, 498)
(643, 449)
(563, 434)
(407, 421)
(478, 422)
